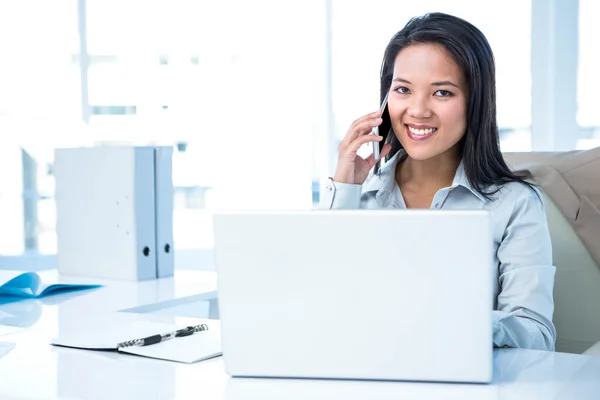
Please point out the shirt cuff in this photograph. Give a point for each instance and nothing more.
(339, 196)
(496, 333)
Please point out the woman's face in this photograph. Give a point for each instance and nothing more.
(428, 101)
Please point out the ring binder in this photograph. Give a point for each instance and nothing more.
(118, 227)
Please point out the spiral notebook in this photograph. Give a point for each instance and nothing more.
(200, 346)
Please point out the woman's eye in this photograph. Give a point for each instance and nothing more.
(444, 93)
(402, 90)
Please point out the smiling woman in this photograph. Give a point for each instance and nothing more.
(513, 78)
(442, 152)
(441, 71)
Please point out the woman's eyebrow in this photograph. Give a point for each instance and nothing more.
(445, 83)
(440, 83)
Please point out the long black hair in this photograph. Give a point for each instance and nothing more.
(484, 164)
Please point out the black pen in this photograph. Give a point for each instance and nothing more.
(187, 331)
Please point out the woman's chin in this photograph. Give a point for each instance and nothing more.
(421, 153)
(425, 151)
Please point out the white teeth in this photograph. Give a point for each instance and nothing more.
(422, 131)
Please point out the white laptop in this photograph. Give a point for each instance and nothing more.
(357, 294)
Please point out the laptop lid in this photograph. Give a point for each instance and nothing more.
(356, 294)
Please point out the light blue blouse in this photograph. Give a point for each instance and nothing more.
(524, 304)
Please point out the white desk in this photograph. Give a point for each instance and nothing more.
(33, 369)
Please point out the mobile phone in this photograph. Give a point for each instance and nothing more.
(383, 129)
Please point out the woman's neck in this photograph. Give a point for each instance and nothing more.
(427, 175)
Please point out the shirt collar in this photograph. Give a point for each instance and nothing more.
(385, 179)
(460, 179)
(384, 182)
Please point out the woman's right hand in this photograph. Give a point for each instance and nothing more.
(352, 168)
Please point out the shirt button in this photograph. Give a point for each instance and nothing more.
(437, 205)
(329, 188)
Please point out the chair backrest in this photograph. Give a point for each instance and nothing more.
(576, 288)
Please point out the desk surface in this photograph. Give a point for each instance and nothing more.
(32, 369)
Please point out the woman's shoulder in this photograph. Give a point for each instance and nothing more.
(519, 190)
(516, 195)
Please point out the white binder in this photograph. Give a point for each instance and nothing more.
(114, 212)
(164, 211)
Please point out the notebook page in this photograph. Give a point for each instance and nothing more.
(197, 347)
(19, 283)
(110, 336)
(7, 275)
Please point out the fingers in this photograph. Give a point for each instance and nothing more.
(355, 145)
(362, 126)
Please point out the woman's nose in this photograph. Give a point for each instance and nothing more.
(419, 107)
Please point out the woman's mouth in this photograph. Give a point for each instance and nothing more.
(419, 133)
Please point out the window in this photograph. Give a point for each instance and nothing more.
(39, 110)
(588, 86)
(232, 94)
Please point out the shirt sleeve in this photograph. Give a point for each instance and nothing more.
(526, 276)
(340, 196)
